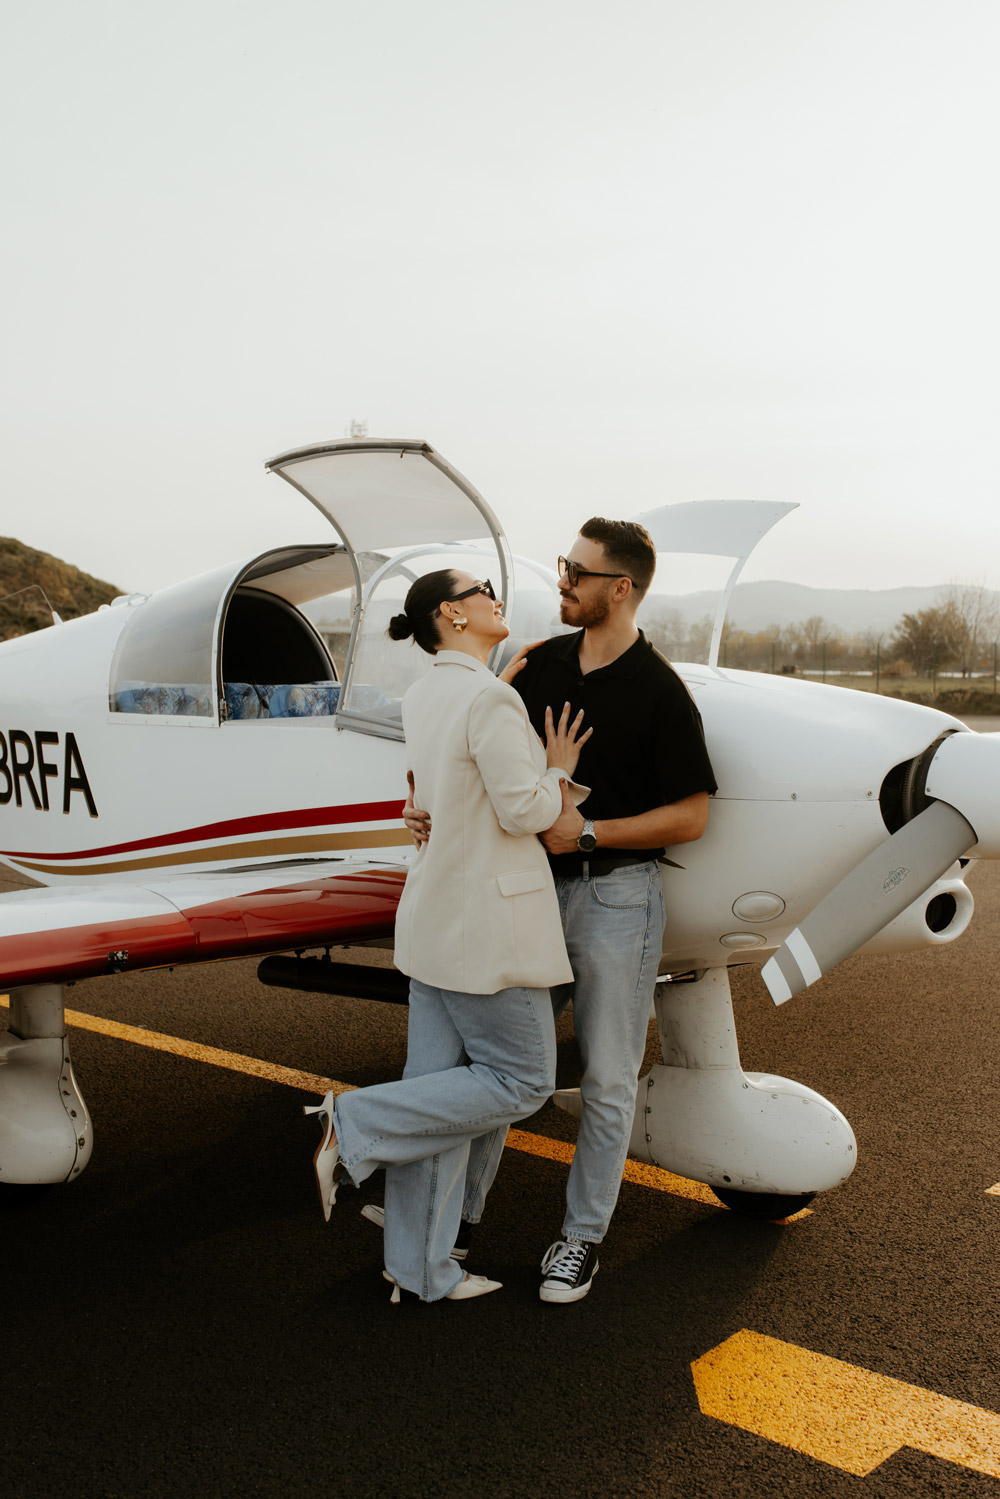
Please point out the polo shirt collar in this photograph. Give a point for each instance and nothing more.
(625, 667)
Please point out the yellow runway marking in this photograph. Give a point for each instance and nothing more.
(552, 1150)
(637, 1172)
(195, 1052)
(836, 1413)
(993, 1191)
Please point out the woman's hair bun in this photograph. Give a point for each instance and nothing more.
(419, 617)
(400, 627)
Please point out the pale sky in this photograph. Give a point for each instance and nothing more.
(602, 257)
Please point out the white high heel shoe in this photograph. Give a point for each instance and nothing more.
(326, 1162)
(469, 1286)
(473, 1285)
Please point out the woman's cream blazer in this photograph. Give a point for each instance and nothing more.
(479, 911)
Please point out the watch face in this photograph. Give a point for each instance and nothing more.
(586, 843)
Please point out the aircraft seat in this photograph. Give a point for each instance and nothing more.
(281, 700)
(184, 700)
(243, 699)
(247, 700)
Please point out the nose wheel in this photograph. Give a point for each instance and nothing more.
(17, 1198)
(768, 1206)
(764, 1144)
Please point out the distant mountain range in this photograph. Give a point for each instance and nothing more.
(28, 578)
(755, 606)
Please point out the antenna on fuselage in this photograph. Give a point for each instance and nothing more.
(32, 588)
(356, 429)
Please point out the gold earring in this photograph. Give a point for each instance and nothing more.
(459, 624)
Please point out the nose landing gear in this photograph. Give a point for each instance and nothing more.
(764, 1144)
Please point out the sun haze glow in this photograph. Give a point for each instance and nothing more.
(602, 258)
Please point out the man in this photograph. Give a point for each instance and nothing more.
(650, 779)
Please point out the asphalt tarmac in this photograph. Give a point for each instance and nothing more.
(180, 1321)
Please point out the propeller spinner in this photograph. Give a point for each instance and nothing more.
(962, 788)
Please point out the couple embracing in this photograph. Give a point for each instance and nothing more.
(546, 797)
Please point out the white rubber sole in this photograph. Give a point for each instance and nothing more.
(571, 1293)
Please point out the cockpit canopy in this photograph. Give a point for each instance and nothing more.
(204, 647)
(300, 632)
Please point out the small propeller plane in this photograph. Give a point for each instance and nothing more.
(217, 770)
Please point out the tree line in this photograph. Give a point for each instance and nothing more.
(959, 634)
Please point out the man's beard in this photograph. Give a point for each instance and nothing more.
(584, 616)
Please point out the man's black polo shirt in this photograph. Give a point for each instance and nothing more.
(648, 746)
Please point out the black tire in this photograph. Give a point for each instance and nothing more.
(766, 1205)
(15, 1197)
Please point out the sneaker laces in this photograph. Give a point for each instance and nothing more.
(564, 1260)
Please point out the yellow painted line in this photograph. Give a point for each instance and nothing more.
(837, 1413)
(993, 1191)
(637, 1172)
(539, 1145)
(195, 1052)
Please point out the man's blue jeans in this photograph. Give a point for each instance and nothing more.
(614, 936)
(476, 1063)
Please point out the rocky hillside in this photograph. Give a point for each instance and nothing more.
(28, 578)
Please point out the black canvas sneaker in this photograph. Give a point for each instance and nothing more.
(567, 1270)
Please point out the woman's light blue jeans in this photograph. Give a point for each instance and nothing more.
(476, 1063)
(614, 935)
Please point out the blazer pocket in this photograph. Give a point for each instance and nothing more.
(521, 882)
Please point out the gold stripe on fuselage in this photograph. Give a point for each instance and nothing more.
(265, 848)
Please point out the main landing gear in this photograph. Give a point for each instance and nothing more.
(45, 1130)
(764, 1144)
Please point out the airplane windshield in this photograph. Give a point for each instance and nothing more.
(382, 669)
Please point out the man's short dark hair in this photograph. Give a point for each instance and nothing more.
(628, 547)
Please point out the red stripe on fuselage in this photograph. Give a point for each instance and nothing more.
(343, 908)
(267, 822)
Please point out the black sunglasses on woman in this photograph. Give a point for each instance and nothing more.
(484, 588)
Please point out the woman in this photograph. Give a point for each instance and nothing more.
(478, 932)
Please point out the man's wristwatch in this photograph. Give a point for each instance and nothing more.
(587, 840)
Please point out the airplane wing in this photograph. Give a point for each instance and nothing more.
(61, 934)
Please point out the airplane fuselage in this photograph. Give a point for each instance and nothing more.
(101, 797)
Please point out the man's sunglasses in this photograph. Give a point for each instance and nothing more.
(573, 572)
(485, 588)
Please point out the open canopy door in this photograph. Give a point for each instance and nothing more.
(389, 497)
(381, 494)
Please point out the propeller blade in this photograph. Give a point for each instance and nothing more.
(868, 898)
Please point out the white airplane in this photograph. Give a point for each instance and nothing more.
(217, 770)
